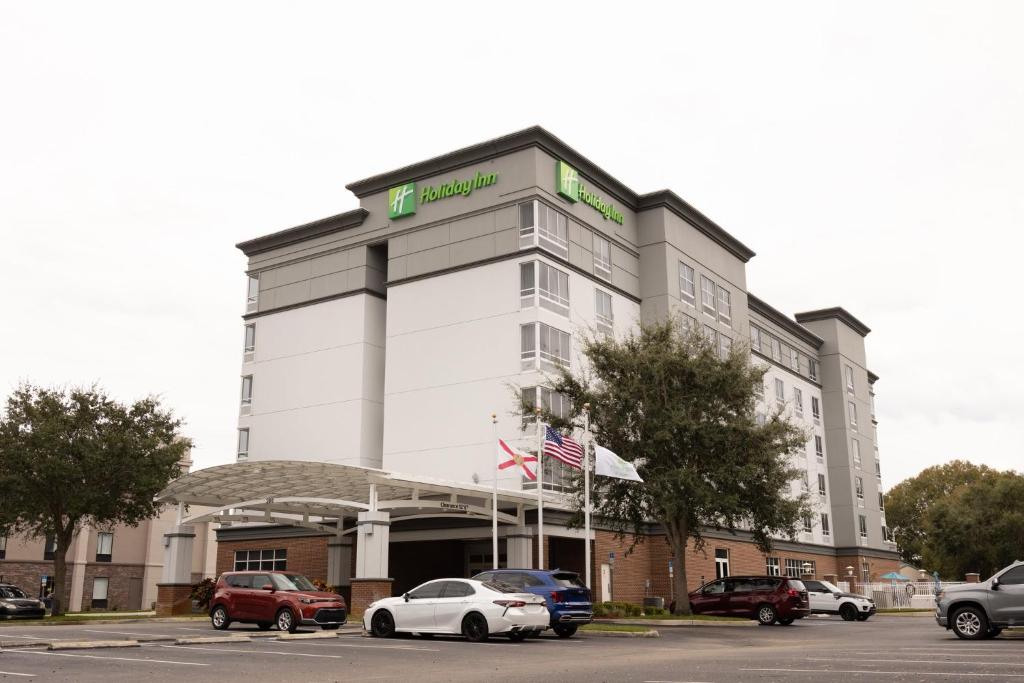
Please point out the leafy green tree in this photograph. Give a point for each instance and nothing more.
(664, 399)
(907, 504)
(75, 457)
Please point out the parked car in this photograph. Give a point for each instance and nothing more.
(769, 599)
(566, 596)
(827, 598)
(474, 609)
(983, 610)
(16, 604)
(268, 598)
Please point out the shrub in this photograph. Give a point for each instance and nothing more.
(655, 611)
(617, 610)
(202, 592)
(324, 587)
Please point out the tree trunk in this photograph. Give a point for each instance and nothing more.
(678, 535)
(63, 541)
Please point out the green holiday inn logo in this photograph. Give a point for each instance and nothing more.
(567, 180)
(402, 199)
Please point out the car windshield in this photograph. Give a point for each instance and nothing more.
(292, 582)
(796, 585)
(501, 587)
(568, 580)
(830, 586)
(12, 592)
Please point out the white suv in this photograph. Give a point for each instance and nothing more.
(826, 598)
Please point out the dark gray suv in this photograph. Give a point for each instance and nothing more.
(983, 610)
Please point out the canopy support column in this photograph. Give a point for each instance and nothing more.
(174, 590)
(373, 530)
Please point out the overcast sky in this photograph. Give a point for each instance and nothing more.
(872, 154)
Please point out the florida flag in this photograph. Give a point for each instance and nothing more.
(509, 457)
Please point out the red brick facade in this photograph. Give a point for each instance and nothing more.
(173, 598)
(26, 575)
(306, 554)
(365, 591)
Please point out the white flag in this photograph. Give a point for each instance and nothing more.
(610, 465)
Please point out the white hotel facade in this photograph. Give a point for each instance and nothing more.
(386, 336)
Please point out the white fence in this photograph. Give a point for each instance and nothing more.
(902, 594)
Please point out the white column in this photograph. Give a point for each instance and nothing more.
(372, 535)
(178, 555)
(519, 547)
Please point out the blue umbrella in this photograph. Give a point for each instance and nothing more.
(893, 576)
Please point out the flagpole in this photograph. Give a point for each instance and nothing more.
(494, 501)
(586, 492)
(540, 490)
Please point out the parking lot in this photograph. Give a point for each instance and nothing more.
(894, 648)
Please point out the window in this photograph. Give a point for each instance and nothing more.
(878, 467)
(602, 258)
(49, 547)
(99, 592)
(687, 285)
(865, 567)
(428, 591)
(250, 341)
(104, 546)
(457, 589)
(849, 378)
(824, 525)
(808, 525)
(859, 486)
(855, 452)
(552, 345)
(725, 306)
(711, 335)
(881, 502)
(725, 346)
(707, 296)
(266, 560)
(822, 491)
(851, 408)
(553, 289)
(551, 403)
(812, 369)
(3, 547)
(804, 481)
(819, 447)
(247, 391)
(755, 338)
(243, 444)
(793, 568)
(886, 534)
(798, 400)
(540, 225)
(794, 359)
(1012, 577)
(527, 282)
(253, 296)
(815, 409)
(603, 306)
(780, 392)
(776, 349)
(721, 563)
(862, 523)
(771, 566)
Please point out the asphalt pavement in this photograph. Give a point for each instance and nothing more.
(889, 648)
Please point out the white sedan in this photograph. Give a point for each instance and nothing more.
(475, 609)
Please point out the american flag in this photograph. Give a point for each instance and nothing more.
(563, 448)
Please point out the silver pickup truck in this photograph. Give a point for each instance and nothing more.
(983, 610)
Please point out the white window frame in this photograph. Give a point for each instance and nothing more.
(798, 401)
(851, 409)
(862, 525)
(687, 276)
(711, 334)
(805, 481)
(542, 334)
(794, 359)
(252, 294)
(602, 258)
(243, 449)
(266, 560)
(772, 567)
(721, 563)
(780, 392)
(825, 528)
(819, 447)
(249, 342)
(822, 486)
(707, 291)
(812, 369)
(808, 523)
(540, 234)
(855, 453)
(551, 298)
(246, 404)
(605, 321)
(858, 487)
(104, 545)
(794, 568)
(776, 349)
(755, 338)
(100, 587)
(724, 306)
(816, 409)
(881, 501)
(724, 345)
(849, 378)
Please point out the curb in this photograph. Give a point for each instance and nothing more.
(649, 633)
(97, 620)
(308, 636)
(675, 623)
(12, 644)
(213, 639)
(90, 644)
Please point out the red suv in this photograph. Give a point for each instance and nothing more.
(768, 599)
(269, 598)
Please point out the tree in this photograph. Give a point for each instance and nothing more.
(75, 457)
(907, 503)
(665, 400)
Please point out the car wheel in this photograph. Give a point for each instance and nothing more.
(970, 623)
(330, 627)
(264, 625)
(786, 622)
(848, 612)
(993, 632)
(383, 624)
(474, 627)
(565, 631)
(766, 615)
(518, 636)
(219, 618)
(286, 621)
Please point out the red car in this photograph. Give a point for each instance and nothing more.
(268, 598)
(769, 599)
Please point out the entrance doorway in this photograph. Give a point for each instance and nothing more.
(480, 557)
(606, 582)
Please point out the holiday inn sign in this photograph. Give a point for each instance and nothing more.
(402, 199)
(570, 187)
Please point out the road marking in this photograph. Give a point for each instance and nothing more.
(11, 635)
(911, 661)
(995, 653)
(874, 672)
(14, 673)
(128, 633)
(294, 654)
(122, 659)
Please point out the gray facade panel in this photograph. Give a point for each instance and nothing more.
(472, 250)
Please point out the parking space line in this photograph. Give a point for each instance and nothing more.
(875, 672)
(14, 673)
(910, 661)
(11, 635)
(128, 633)
(996, 653)
(293, 654)
(121, 659)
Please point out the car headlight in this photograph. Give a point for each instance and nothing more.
(9, 607)
(307, 601)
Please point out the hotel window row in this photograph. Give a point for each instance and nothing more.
(715, 300)
(543, 346)
(543, 285)
(542, 226)
(557, 475)
(770, 346)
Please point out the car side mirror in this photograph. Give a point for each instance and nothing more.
(268, 587)
(995, 584)
(405, 596)
(836, 596)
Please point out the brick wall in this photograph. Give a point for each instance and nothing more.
(26, 575)
(118, 585)
(306, 555)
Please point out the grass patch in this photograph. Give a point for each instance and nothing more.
(614, 627)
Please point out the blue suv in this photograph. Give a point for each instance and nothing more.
(568, 598)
